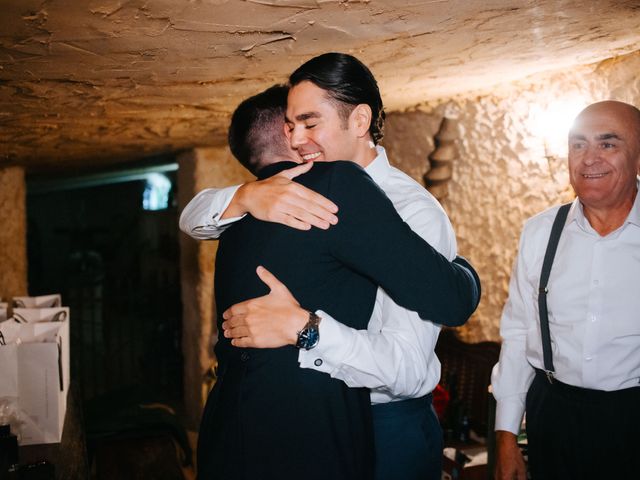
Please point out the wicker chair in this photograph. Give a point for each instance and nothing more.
(466, 374)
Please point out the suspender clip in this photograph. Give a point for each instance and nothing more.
(549, 374)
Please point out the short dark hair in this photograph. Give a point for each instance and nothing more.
(348, 82)
(256, 132)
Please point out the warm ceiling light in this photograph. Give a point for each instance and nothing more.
(552, 122)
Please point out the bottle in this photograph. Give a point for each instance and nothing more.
(464, 429)
(8, 453)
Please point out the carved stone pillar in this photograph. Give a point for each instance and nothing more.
(442, 159)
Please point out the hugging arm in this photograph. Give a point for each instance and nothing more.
(394, 353)
(372, 239)
(276, 199)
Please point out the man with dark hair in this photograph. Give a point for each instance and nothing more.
(570, 353)
(394, 356)
(248, 138)
(349, 82)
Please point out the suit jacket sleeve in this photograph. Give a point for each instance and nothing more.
(371, 238)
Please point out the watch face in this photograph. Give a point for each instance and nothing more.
(308, 338)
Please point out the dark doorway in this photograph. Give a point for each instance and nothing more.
(116, 265)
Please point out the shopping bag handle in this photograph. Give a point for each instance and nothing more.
(61, 316)
(60, 372)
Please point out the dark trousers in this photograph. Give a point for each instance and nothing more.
(408, 440)
(580, 434)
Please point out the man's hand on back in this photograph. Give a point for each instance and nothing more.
(278, 199)
(270, 321)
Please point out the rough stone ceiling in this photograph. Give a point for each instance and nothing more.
(89, 83)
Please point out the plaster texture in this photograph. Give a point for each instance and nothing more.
(106, 81)
(13, 233)
(409, 140)
(506, 172)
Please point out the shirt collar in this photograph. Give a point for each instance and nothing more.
(379, 169)
(577, 213)
(634, 214)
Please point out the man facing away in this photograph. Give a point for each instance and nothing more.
(394, 356)
(583, 420)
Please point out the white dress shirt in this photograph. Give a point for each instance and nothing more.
(395, 356)
(594, 311)
(200, 219)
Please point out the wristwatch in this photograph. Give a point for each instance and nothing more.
(309, 336)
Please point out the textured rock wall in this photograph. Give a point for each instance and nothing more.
(504, 173)
(199, 169)
(13, 233)
(409, 139)
(107, 81)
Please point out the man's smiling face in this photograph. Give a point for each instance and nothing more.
(604, 155)
(315, 127)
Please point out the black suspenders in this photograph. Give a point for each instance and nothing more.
(550, 253)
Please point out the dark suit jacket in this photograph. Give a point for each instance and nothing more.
(267, 417)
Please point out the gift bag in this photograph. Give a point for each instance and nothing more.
(33, 315)
(39, 315)
(34, 367)
(42, 301)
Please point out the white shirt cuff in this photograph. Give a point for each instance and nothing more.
(509, 414)
(334, 345)
(228, 194)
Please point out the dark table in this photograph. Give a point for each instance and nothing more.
(69, 457)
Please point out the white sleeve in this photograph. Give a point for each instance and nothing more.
(512, 375)
(394, 356)
(200, 219)
(392, 361)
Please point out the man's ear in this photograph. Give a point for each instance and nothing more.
(287, 131)
(361, 119)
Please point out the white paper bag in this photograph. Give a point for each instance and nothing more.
(42, 301)
(31, 315)
(59, 314)
(34, 367)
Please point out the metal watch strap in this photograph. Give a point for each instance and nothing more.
(310, 329)
(549, 255)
